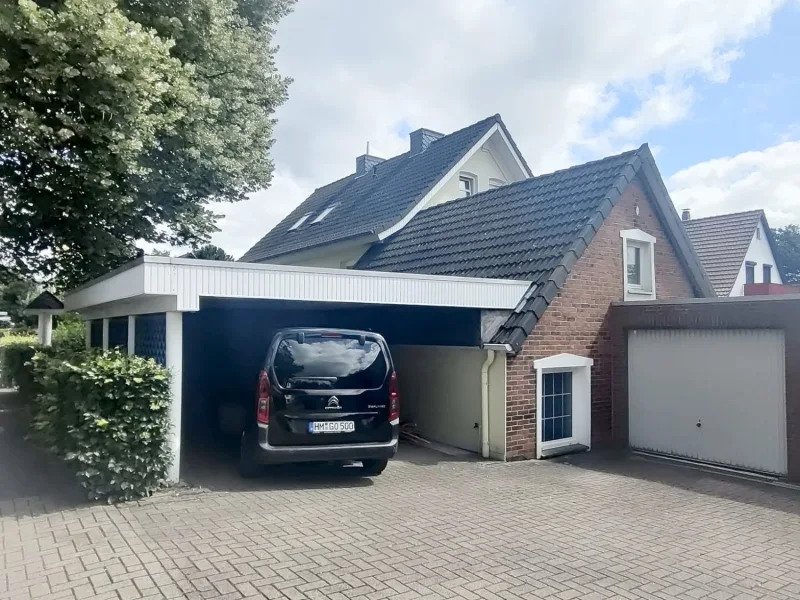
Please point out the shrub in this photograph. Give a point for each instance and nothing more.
(69, 334)
(16, 352)
(107, 413)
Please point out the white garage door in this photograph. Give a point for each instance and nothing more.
(711, 395)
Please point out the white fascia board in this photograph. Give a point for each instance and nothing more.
(127, 282)
(157, 284)
(520, 164)
(439, 184)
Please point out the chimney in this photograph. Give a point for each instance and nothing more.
(422, 138)
(365, 163)
(686, 215)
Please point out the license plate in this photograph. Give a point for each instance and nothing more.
(331, 426)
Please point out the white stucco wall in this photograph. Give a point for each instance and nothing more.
(329, 257)
(483, 165)
(440, 391)
(760, 253)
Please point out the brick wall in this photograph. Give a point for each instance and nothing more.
(577, 320)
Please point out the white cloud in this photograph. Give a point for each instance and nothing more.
(768, 179)
(364, 70)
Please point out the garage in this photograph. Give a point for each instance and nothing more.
(210, 323)
(713, 395)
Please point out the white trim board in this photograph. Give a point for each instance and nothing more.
(179, 283)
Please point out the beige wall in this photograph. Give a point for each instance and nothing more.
(330, 257)
(483, 165)
(440, 390)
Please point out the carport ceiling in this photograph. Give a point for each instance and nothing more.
(161, 284)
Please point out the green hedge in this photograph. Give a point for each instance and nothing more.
(107, 413)
(15, 353)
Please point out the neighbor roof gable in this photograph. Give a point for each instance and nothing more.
(371, 204)
(722, 242)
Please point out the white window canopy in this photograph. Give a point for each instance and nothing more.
(638, 264)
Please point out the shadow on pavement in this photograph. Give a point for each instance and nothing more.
(213, 467)
(32, 481)
(702, 480)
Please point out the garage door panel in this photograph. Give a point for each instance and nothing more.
(713, 395)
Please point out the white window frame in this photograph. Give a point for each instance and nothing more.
(581, 369)
(646, 290)
(474, 183)
(300, 221)
(495, 183)
(328, 210)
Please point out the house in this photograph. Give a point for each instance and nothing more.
(737, 250)
(466, 205)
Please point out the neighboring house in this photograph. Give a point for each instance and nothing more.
(584, 237)
(340, 221)
(735, 249)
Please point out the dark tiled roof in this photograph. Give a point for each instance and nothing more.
(373, 202)
(45, 301)
(534, 230)
(721, 242)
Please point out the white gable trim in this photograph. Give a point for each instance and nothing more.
(516, 156)
(450, 174)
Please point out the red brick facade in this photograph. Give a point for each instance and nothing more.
(577, 320)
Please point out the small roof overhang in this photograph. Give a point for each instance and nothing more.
(159, 284)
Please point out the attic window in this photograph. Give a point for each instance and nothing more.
(324, 213)
(300, 221)
(638, 261)
(466, 185)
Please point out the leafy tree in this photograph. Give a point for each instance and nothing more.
(121, 120)
(210, 252)
(160, 253)
(15, 295)
(787, 240)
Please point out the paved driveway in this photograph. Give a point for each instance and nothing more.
(429, 527)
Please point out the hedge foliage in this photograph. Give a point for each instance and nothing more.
(108, 414)
(15, 351)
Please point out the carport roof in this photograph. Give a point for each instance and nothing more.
(158, 284)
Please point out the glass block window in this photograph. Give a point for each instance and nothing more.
(556, 406)
(96, 333)
(118, 333)
(151, 337)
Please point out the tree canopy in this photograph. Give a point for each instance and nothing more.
(210, 252)
(121, 120)
(787, 240)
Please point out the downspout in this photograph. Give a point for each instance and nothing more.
(485, 403)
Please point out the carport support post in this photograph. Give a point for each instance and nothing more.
(105, 334)
(131, 334)
(174, 339)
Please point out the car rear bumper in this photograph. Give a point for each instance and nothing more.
(268, 454)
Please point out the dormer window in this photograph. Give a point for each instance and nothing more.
(300, 221)
(324, 213)
(466, 185)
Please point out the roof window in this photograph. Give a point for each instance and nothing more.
(325, 213)
(300, 221)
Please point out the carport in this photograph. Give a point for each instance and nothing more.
(210, 322)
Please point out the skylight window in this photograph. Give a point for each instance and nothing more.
(324, 213)
(300, 221)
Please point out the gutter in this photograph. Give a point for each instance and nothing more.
(490, 356)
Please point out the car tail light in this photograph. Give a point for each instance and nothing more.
(262, 402)
(394, 399)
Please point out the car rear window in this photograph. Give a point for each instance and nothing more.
(330, 363)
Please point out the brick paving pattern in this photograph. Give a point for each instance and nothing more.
(429, 527)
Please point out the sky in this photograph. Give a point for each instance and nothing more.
(711, 85)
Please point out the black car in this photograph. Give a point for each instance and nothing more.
(324, 395)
